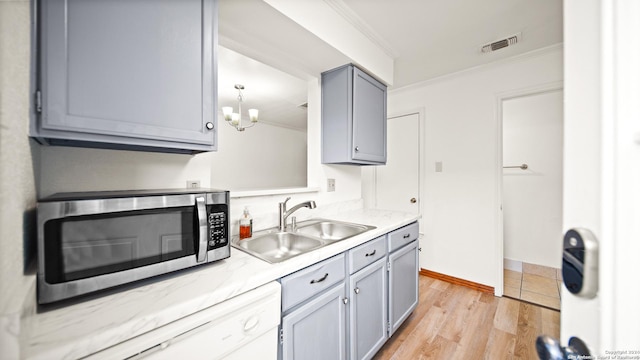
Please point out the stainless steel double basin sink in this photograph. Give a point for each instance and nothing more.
(275, 246)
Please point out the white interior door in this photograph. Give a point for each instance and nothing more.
(397, 185)
(602, 167)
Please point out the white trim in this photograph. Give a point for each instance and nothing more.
(513, 265)
(609, 121)
(420, 111)
(280, 125)
(500, 98)
(357, 22)
(516, 58)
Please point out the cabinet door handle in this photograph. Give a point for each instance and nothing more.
(371, 254)
(406, 236)
(209, 126)
(345, 301)
(357, 290)
(357, 148)
(314, 281)
(413, 200)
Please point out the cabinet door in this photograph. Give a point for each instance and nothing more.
(131, 73)
(316, 330)
(369, 118)
(368, 310)
(403, 284)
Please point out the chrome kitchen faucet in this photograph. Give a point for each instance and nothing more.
(284, 213)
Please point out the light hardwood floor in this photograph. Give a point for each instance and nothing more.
(455, 322)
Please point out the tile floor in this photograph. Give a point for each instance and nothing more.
(535, 284)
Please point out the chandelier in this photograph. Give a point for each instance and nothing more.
(235, 118)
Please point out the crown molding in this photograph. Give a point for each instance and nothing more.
(516, 58)
(359, 24)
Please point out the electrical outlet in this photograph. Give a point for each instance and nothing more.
(438, 166)
(331, 185)
(193, 184)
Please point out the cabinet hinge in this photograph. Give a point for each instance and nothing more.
(38, 101)
(281, 336)
(388, 266)
(388, 328)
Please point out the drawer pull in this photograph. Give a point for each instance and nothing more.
(314, 281)
(371, 254)
(406, 236)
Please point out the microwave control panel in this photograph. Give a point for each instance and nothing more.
(217, 230)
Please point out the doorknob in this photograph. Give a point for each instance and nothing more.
(413, 200)
(549, 348)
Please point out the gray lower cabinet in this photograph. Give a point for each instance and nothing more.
(368, 310)
(349, 305)
(403, 284)
(138, 75)
(314, 312)
(354, 117)
(316, 330)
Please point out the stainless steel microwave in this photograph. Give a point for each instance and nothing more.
(93, 241)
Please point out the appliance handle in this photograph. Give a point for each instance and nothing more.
(201, 211)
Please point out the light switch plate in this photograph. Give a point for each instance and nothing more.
(438, 166)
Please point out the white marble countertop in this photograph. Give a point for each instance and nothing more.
(87, 327)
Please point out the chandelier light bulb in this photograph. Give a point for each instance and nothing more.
(227, 111)
(253, 115)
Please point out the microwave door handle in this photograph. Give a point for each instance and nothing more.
(201, 211)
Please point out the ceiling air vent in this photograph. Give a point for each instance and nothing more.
(502, 43)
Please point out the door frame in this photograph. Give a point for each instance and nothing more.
(500, 98)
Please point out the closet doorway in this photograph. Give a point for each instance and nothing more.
(532, 138)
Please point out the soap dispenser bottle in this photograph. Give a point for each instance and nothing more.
(246, 224)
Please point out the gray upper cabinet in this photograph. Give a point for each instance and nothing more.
(354, 117)
(132, 74)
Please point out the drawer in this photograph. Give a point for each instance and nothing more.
(366, 254)
(308, 282)
(402, 236)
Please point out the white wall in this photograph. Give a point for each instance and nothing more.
(17, 181)
(532, 199)
(460, 207)
(262, 157)
(241, 162)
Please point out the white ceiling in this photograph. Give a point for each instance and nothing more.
(426, 38)
(430, 38)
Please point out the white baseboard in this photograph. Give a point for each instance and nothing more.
(513, 265)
